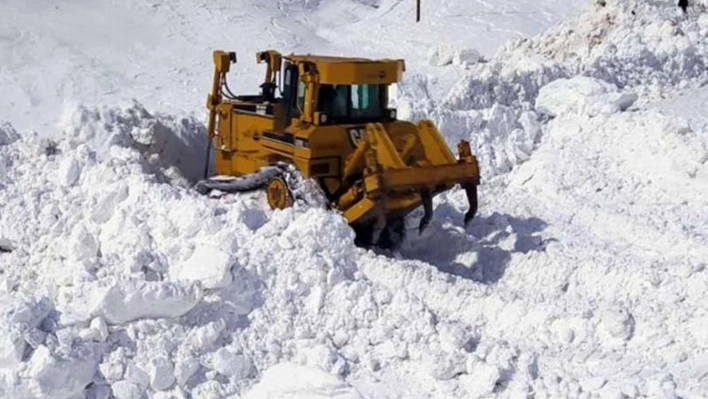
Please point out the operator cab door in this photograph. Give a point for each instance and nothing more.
(293, 95)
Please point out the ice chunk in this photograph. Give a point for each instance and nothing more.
(6, 245)
(137, 376)
(97, 331)
(208, 265)
(184, 370)
(131, 300)
(481, 379)
(105, 207)
(291, 381)
(441, 56)
(69, 172)
(3, 168)
(112, 366)
(82, 244)
(17, 317)
(446, 55)
(162, 373)
(618, 323)
(8, 134)
(232, 365)
(62, 378)
(466, 56)
(447, 366)
(126, 390)
(453, 336)
(582, 95)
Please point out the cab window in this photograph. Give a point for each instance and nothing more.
(354, 103)
(300, 95)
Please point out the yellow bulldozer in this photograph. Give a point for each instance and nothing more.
(326, 120)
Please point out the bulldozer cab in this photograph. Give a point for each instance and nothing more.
(337, 90)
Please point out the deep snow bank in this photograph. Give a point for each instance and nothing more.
(647, 49)
(104, 227)
(127, 313)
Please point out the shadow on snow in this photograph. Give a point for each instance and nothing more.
(482, 251)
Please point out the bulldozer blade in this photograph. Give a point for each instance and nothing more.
(428, 209)
(471, 191)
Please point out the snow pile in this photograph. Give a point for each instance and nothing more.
(620, 174)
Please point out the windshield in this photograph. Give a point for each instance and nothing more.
(352, 102)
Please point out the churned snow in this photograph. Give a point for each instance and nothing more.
(584, 274)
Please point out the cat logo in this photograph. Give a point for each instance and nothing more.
(356, 134)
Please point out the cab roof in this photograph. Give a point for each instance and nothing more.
(352, 70)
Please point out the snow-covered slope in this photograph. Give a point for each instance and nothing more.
(583, 276)
(57, 54)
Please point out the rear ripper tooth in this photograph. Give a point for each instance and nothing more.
(428, 209)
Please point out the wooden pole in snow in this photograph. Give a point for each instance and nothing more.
(417, 11)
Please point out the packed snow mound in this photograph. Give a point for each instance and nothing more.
(625, 175)
(582, 95)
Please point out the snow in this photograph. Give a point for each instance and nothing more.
(583, 275)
